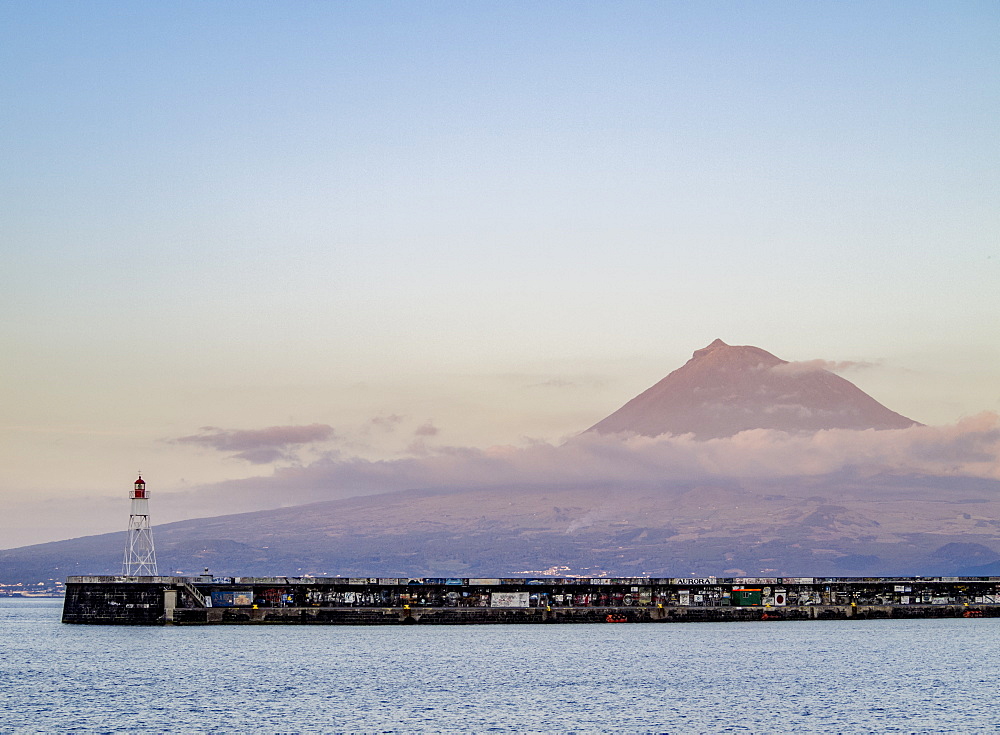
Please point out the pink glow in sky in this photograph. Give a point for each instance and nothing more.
(446, 224)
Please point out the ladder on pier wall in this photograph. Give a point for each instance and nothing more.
(170, 600)
(194, 594)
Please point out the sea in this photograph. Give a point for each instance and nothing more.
(912, 676)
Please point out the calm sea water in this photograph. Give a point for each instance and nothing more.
(884, 676)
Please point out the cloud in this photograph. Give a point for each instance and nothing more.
(388, 423)
(259, 446)
(578, 381)
(427, 429)
(815, 366)
(554, 383)
(970, 448)
(262, 455)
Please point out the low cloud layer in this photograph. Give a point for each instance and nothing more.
(970, 448)
(814, 366)
(259, 446)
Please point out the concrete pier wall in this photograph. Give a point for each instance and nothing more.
(407, 601)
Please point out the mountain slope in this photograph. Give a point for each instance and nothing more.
(724, 389)
(841, 525)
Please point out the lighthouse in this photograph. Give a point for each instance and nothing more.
(140, 557)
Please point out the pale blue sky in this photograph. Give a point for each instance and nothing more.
(256, 214)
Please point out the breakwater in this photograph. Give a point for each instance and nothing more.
(206, 600)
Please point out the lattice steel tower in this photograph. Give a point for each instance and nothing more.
(140, 557)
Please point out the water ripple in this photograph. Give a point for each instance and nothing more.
(813, 676)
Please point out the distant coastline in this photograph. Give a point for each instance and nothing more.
(33, 595)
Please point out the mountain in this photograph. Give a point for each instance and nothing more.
(725, 389)
(843, 525)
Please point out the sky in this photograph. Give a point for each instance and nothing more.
(242, 241)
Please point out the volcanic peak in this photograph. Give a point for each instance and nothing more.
(725, 389)
(719, 353)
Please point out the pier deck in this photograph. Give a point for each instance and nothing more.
(404, 601)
